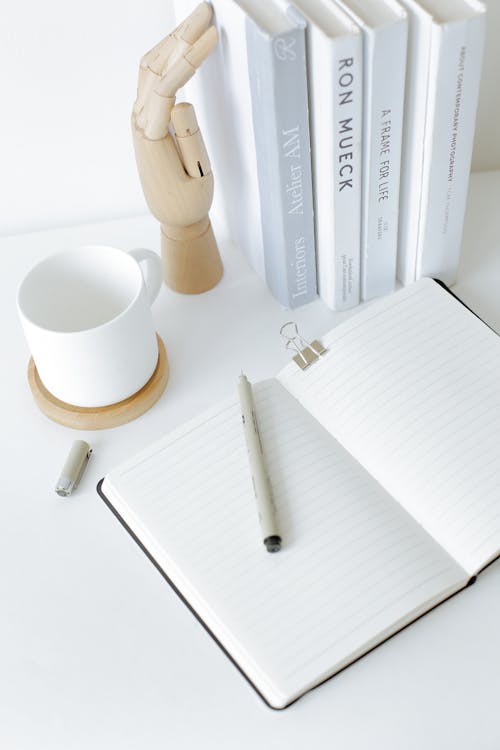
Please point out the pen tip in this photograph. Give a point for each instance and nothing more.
(273, 543)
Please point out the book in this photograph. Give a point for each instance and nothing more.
(384, 26)
(383, 459)
(276, 53)
(335, 58)
(442, 88)
(251, 96)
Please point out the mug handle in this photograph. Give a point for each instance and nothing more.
(154, 274)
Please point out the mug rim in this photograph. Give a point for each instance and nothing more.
(123, 254)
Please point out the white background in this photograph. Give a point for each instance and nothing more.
(69, 74)
(68, 82)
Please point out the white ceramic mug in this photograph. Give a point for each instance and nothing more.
(86, 314)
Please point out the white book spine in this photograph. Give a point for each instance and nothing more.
(336, 77)
(384, 62)
(348, 94)
(412, 158)
(455, 65)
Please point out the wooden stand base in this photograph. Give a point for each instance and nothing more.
(191, 260)
(103, 417)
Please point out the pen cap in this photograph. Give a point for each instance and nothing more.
(73, 468)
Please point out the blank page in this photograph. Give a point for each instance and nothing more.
(353, 568)
(411, 387)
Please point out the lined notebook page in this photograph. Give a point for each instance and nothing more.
(411, 387)
(354, 566)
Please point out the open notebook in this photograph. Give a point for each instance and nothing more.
(383, 458)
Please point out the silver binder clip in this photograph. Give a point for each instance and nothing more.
(307, 352)
(73, 468)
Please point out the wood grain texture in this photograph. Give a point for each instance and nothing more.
(191, 260)
(103, 417)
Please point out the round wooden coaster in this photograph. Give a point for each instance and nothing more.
(102, 417)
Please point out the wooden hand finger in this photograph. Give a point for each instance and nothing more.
(162, 48)
(164, 54)
(195, 24)
(147, 74)
(189, 141)
(185, 67)
(146, 84)
(179, 41)
(155, 117)
(188, 33)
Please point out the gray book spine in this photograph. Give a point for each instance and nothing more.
(278, 84)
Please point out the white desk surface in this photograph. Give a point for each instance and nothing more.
(97, 652)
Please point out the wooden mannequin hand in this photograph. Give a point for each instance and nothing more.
(173, 166)
(174, 196)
